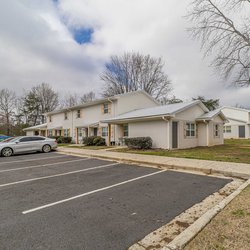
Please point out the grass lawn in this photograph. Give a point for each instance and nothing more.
(234, 150)
(230, 229)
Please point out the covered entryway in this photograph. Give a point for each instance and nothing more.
(242, 132)
(81, 132)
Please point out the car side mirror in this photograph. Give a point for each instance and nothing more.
(17, 142)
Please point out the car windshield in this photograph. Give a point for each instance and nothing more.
(11, 139)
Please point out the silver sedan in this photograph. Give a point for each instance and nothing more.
(25, 144)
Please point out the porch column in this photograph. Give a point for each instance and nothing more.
(77, 135)
(109, 134)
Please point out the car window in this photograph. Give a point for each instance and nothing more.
(26, 139)
(38, 139)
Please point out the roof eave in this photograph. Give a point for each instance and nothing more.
(138, 118)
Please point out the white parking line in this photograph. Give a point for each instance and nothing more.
(34, 159)
(91, 192)
(56, 175)
(43, 165)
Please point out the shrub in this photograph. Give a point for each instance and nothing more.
(62, 139)
(94, 141)
(89, 141)
(99, 141)
(139, 142)
(67, 139)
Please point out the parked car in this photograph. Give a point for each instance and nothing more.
(25, 144)
(3, 137)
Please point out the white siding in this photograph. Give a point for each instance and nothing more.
(186, 142)
(236, 117)
(235, 113)
(134, 101)
(157, 130)
(29, 133)
(190, 114)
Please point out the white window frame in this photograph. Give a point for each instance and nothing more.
(216, 130)
(104, 131)
(65, 133)
(189, 129)
(78, 113)
(105, 108)
(227, 129)
(50, 132)
(125, 131)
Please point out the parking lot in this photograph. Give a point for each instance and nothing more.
(55, 201)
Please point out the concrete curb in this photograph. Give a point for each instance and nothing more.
(204, 170)
(188, 234)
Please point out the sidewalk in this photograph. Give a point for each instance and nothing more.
(229, 169)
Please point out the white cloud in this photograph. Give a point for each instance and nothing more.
(36, 45)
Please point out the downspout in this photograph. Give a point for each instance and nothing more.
(72, 129)
(207, 125)
(109, 129)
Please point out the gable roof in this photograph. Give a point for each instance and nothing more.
(235, 108)
(41, 126)
(102, 100)
(211, 114)
(159, 111)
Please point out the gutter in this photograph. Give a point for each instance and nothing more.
(135, 118)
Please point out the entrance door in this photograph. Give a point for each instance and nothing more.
(242, 132)
(95, 131)
(174, 134)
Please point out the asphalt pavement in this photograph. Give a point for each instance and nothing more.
(55, 201)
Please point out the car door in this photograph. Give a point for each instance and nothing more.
(38, 143)
(25, 144)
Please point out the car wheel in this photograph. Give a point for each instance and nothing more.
(7, 152)
(46, 148)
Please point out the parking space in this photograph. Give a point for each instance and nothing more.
(68, 202)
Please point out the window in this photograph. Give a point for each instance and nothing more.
(49, 132)
(78, 114)
(125, 130)
(216, 130)
(65, 116)
(50, 119)
(104, 131)
(227, 129)
(38, 138)
(26, 139)
(105, 108)
(190, 129)
(79, 131)
(65, 133)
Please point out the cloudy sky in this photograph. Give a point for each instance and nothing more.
(66, 43)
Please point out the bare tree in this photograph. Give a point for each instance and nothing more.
(7, 107)
(224, 31)
(39, 100)
(70, 100)
(134, 71)
(48, 98)
(170, 100)
(88, 97)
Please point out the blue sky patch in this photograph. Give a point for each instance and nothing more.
(82, 36)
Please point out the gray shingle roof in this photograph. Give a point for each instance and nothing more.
(165, 110)
(211, 114)
(36, 127)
